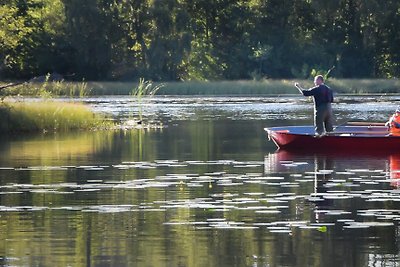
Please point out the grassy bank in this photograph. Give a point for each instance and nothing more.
(263, 87)
(47, 116)
(270, 87)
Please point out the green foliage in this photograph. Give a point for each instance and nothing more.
(12, 29)
(199, 40)
(202, 65)
(90, 35)
(261, 53)
(33, 37)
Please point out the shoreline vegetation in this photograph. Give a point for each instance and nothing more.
(48, 116)
(42, 113)
(241, 87)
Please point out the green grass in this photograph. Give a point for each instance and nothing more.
(200, 88)
(49, 89)
(365, 86)
(48, 116)
(262, 87)
(244, 87)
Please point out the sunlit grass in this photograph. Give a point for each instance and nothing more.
(49, 89)
(365, 86)
(48, 116)
(249, 87)
(243, 87)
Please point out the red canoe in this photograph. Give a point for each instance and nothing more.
(362, 136)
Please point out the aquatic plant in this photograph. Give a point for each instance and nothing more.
(48, 116)
(144, 88)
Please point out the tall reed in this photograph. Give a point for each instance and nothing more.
(144, 88)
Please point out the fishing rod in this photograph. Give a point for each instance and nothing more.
(326, 76)
(297, 85)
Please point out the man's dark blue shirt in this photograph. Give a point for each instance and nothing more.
(322, 94)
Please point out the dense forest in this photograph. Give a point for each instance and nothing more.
(199, 40)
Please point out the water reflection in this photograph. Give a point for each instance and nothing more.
(354, 192)
(326, 163)
(48, 149)
(394, 163)
(207, 190)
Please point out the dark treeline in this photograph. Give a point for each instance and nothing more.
(198, 39)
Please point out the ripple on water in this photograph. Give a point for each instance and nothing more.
(224, 188)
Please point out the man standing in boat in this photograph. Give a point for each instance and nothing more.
(323, 97)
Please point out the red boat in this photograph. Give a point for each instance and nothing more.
(352, 136)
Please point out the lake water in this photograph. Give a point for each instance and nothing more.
(206, 188)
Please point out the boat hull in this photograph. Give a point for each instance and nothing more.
(344, 138)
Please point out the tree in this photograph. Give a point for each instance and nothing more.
(89, 35)
(12, 32)
(170, 37)
(135, 21)
(196, 39)
(383, 26)
(32, 32)
(221, 45)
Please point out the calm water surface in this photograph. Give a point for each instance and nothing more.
(207, 189)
